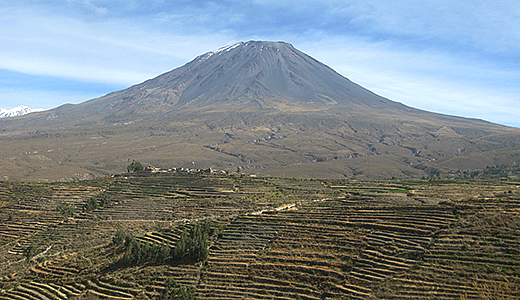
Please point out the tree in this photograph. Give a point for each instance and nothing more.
(173, 290)
(104, 201)
(119, 238)
(91, 204)
(181, 247)
(29, 251)
(137, 252)
(198, 249)
(66, 209)
(193, 244)
(161, 252)
(134, 166)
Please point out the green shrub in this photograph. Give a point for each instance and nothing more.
(119, 238)
(30, 251)
(173, 290)
(134, 166)
(66, 209)
(91, 204)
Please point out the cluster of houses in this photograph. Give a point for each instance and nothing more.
(152, 169)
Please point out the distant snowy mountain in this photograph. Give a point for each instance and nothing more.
(17, 111)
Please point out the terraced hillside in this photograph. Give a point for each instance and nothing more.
(266, 238)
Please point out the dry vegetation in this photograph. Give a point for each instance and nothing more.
(339, 144)
(267, 238)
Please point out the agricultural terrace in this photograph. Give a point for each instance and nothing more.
(213, 236)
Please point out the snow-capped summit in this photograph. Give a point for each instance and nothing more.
(17, 111)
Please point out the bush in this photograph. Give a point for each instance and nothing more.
(173, 290)
(30, 251)
(104, 201)
(134, 166)
(66, 209)
(91, 204)
(118, 240)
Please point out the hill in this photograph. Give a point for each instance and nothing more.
(262, 107)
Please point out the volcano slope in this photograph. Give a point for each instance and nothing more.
(262, 107)
(264, 238)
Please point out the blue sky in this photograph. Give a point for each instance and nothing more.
(455, 57)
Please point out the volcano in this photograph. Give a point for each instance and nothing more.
(251, 75)
(258, 107)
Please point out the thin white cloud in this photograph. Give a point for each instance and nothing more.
(96, 9)
(116, 51)
(431, 80)
(491, 25)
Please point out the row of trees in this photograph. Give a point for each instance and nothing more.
(191, 247)
(502, 171)
(193, 244)
(137, 252)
